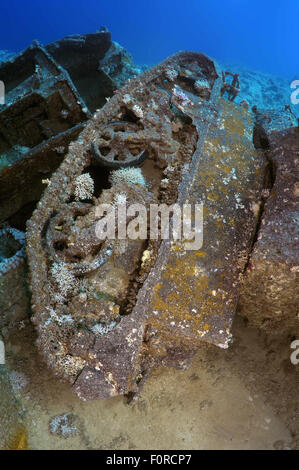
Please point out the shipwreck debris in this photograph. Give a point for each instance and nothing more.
(13, 434)
(269, 294)
(113, 142)
(39, 119)
(79, 55)
(108, 311)
(230, 89)
(14, 307)
(50, 93)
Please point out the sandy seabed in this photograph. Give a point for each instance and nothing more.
(245, 397)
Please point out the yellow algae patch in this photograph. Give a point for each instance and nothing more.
(175, 247)
(234, 117)
(18, 441)
(234, 125)
(188, 290)
(224, 182)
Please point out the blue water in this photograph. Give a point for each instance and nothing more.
(261, 34)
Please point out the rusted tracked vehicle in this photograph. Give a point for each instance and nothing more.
(106, 312)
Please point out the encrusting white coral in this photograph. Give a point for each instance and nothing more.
(127, 176)
(200, 84)
(171, 74)
(84, 187)
(101, 330)
(120, 198)
(64, 278)
(137, 111)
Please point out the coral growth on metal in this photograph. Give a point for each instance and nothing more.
(108, 311)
